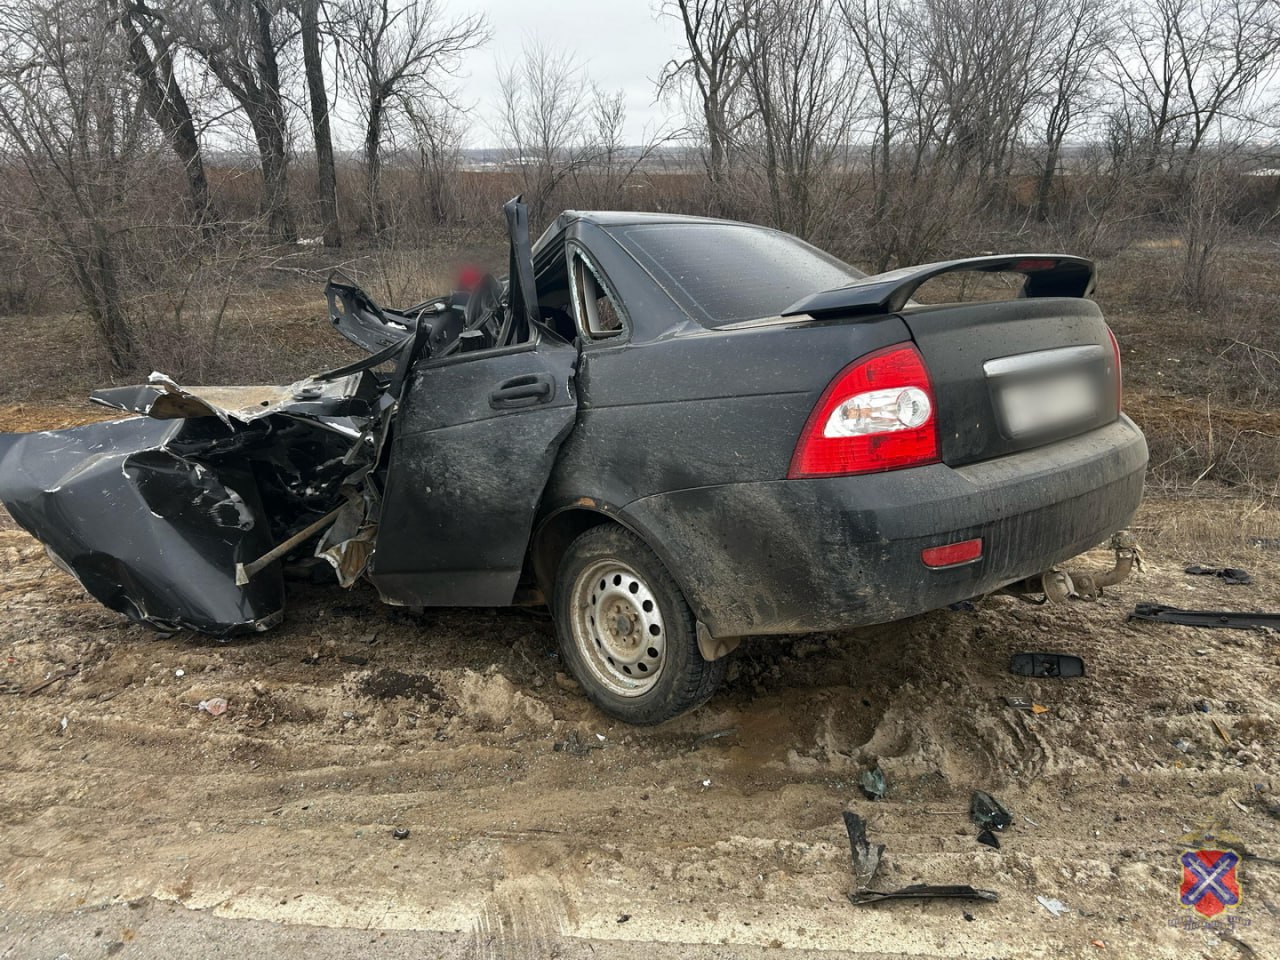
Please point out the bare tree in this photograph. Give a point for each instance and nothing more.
(543, 124)
(308, 13)
(404, 52)
(715, 66)
(801, 96)
(240, 41)
(1184, 66)
(1080, 33)
(72, 127)
(437, 135)
(153, 53)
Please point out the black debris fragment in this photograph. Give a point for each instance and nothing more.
(987, 838)
(926, 891)
(873, 783)
(1232, 575)
(866, 861)
(400, 833)
(866, 857)
(988, 812)
(1225, 619)
(1059, 665)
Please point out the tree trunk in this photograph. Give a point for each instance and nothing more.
(1044, 189)
(162, 98)
(326, 176)
(373, 161)
(270, 131)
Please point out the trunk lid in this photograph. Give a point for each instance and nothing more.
(1016, 374)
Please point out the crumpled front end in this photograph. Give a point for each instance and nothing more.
(181, 517)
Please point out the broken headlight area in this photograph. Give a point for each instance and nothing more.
(183, 515)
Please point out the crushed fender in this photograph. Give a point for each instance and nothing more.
(176, 516)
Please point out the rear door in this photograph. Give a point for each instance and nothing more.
(473, 447)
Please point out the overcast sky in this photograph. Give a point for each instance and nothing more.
(619, 43)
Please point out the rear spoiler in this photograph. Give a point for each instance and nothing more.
(1047, 275)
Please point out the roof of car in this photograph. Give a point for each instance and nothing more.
(619, 218)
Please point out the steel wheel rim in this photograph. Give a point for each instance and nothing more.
(618, 628)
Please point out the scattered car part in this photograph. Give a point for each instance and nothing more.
(866, 861)
(989, 839)
(988, 812)
(873, 783)
(1059, 665)
(1231, 575)
(866, 856)
(1056, 907)
(1025, 704)
(925, 891)
(400, 833)
(1229, 620)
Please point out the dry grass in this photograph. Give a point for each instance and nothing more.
(1221, 531)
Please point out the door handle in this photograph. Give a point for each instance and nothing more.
(526, 391)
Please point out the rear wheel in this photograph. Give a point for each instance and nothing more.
(626, 631)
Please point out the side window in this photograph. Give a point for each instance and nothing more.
(599, 314)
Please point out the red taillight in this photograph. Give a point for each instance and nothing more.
(952, 554)
(876, 415)
(1115, 353)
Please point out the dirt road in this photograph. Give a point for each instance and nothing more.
(133, 821)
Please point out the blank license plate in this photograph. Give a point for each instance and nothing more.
(1040, 405)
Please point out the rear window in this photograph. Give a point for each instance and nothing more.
(724, 272)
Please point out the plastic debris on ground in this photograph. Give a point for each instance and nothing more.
(1029, 706)
(1232, 575)
(1056, 907)
(873, 783)
(1060, 665)
(988, 812)
(866, 861)
(214, 706)
(1226, 619)
(987, 838)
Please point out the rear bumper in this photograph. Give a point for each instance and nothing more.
(797, 556)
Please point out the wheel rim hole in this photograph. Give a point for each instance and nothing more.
(648, 606)
(654, 629)
(603, 584)
(617, 579)
(611, 663)
(633, 587)
(652, 652)
(626, 670)
(642, 668)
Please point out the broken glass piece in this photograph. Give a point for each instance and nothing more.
(989, 812)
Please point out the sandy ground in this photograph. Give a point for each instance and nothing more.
(133, 824)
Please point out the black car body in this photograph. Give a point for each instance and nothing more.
(676, 431)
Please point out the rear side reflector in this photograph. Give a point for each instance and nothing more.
(966, 551)
(876, 415)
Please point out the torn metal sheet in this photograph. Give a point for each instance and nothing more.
(163, 516)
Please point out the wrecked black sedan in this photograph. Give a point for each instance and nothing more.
(676, 432)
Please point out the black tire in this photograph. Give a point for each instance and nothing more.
(684, 679)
